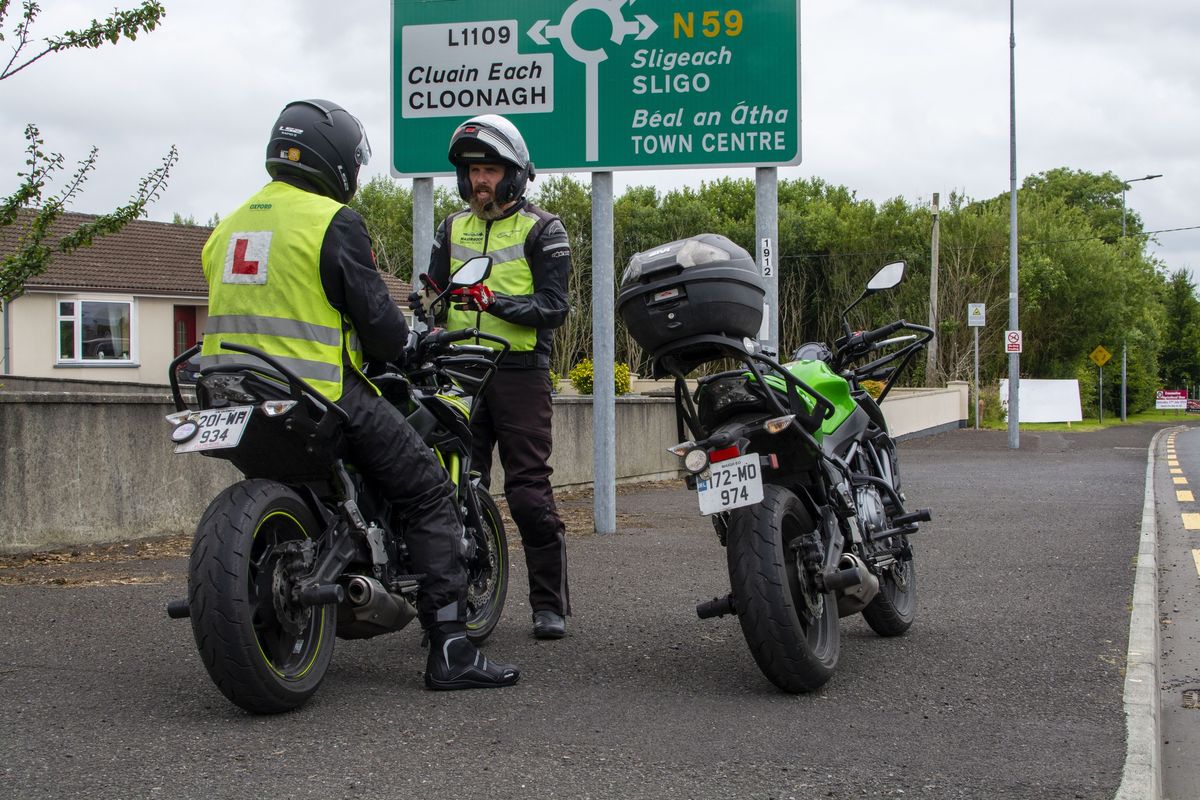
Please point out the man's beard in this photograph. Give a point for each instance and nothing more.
(485, 207)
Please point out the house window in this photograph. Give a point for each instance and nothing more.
(93, 331)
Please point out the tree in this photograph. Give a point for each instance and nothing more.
(1180, 359)
(34, 252)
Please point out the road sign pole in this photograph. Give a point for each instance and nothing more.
(976, 378)
(1100, 398)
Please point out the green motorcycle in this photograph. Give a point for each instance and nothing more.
(793, 462)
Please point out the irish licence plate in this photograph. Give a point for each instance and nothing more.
(731, 484)
(218, 428)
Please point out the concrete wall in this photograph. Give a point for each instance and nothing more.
(86, 462)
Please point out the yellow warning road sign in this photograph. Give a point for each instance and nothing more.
(1100, 355)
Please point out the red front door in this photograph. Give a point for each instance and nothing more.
(185, 328)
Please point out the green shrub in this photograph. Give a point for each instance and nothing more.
(581, 377)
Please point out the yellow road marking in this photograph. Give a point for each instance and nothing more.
(1191, 522)
(1180, 481)
(1196, 558)
(1184, 496)
(1176, 471)
(1172, 462)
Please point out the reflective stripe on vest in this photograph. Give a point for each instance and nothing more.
(505, 243)
(263, 266)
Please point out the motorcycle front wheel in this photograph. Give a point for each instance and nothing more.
(487, 571)
(264, 651)
(893, 610)
(791, 628)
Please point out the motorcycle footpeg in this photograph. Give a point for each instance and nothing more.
(920, 515)
(321, 595)
(717, 607)
(178, 609)
(837, 580)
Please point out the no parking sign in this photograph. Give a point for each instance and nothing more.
(1012, 342)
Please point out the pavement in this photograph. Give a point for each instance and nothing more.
(1011, 685)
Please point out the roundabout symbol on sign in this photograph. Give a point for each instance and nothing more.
(640, 27)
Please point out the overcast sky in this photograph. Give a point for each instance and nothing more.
(898, 98)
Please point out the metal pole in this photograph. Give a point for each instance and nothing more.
(766, 228)
(422, 217)
(931, 350)
(604, 426)
(1124, 376)
(976, 329)
(1014, 359)
(1100, 398)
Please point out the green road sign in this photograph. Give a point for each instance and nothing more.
(598, 85)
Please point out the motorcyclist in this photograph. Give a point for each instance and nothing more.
(523, 300)
(291, 272)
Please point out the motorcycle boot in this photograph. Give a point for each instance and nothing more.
(456, 663)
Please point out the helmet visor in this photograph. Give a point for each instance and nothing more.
(362, 151)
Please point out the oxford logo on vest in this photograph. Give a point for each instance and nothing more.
(246, 257)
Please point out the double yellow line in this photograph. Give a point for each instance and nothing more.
(1191, 519)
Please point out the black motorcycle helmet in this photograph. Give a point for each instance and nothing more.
(491, 139)
(321, 142)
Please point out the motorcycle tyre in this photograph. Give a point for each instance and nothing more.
(763, 575)
(482, 620)
(221, 598)
(893, 610)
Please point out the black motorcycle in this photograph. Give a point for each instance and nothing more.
(793, 462)
(305, 549)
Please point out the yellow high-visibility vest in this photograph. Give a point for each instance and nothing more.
(263, 265)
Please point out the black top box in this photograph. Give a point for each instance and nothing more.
(704, 285)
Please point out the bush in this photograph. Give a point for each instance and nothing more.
(581, 377)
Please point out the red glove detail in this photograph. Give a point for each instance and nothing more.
(474, 298)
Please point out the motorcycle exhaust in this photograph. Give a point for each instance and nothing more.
(717, 607)
(855, 594)
(371, 610)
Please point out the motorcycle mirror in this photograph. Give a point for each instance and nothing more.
(888, 276)
(472, 272)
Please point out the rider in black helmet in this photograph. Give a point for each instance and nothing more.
(321, 142)
(313, 265)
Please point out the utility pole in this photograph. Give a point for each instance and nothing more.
(1014, 359)
(931, 351)
(1125, 251)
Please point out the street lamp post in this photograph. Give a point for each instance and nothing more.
(1124, 350)
(1124, 187)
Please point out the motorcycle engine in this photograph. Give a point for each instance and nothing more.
(870, 509)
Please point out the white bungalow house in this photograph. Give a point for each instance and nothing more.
(119, 310)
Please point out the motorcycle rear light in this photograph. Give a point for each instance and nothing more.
(778, 424)
(724, 454)
(277, 408)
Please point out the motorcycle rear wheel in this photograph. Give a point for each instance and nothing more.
(264, 652)
(791, 629)
(487, 572)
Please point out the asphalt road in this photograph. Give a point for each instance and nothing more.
(1009, 685)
